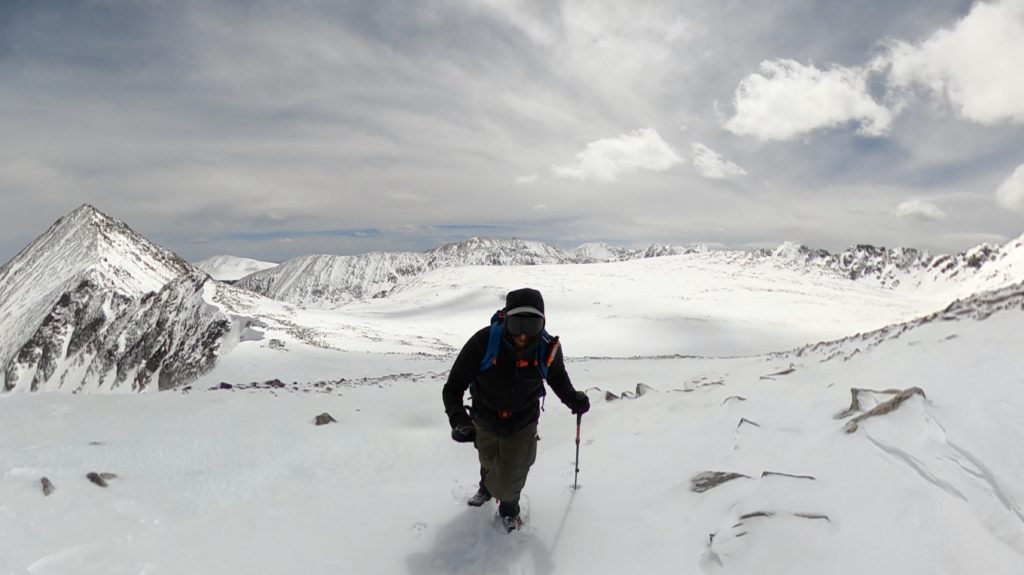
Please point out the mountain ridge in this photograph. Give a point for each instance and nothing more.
(76, 302)
(325, 281)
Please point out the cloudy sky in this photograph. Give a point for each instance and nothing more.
(272, 129)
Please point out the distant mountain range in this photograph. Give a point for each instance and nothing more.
(327, 281)
(92, 305)
(228, 268)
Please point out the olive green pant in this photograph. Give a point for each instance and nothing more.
(506, 460)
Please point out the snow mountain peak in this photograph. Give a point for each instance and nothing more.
(76, 281)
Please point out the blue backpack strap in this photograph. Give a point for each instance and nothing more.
(493, 340)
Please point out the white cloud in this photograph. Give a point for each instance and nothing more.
(920, 210)
(603, 160)
(711, 164)
(1010, 193)
(540, 208)
(788, 99)
(976, 65)
(527, 179)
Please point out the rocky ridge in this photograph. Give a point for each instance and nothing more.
(91, 304)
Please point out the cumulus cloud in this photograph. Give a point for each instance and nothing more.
(1010, 193)
(916, 209)
(604, 160)
(787, 99)
(975, 65)
(711, 164)
(527, 179)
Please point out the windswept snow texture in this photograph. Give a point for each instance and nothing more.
(232, 481)
(231, 268)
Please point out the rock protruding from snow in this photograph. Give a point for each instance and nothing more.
(898, 397)
(708, 480)
(100, 479)
(324, 419)
(229, 268)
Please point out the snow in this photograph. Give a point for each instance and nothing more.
(240, 480)
(84, 245)
(235, 481)
(231, 268)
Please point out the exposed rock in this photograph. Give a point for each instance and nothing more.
(100, 478)
(61, 295)
(643, 389)
(744, 420)
(753, 514)
(790, 475)
(812, 516)
(880, 409)
(609, 396)
(324, 419)
(710, 479)
(733, 398)
(96, 337)
(786, 371)
(48, 487)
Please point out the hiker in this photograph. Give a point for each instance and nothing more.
(505, 366)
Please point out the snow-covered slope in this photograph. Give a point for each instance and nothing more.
(231, 268)
(597, 252)
(325, 281)
(981, 268)
(91, 304)
(85, 245)
(494, 252)
(722, 467)
(168, 338)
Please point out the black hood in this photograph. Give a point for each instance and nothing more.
(524, 297)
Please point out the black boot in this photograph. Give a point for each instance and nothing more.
(480, 497)
(509, 513)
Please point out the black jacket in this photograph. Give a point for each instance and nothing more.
(506, 397)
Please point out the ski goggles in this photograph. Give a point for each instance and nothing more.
(531, 325)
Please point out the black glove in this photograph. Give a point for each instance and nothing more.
(463, 430)
(580, 403)
(464, 434)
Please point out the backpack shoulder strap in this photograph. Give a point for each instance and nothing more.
(546, 351)
(493, 340)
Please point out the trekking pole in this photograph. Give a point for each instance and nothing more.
(579, 419)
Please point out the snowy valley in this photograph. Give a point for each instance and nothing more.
(784, 411)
